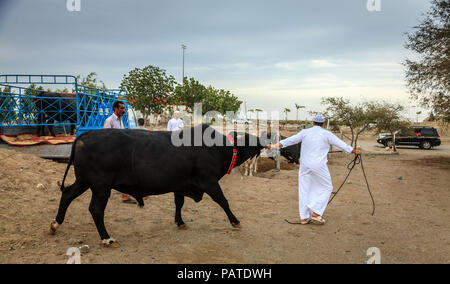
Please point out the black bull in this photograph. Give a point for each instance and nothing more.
(291, 153)
(50, 108)
(142, 163)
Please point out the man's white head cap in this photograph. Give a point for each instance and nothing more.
(319, 118)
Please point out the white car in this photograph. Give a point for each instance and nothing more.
(241, 121)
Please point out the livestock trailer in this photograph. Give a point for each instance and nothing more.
(23, 104)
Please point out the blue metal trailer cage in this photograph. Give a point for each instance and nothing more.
(86, 108)
(22, 107)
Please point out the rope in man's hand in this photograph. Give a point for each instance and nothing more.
(357, 160)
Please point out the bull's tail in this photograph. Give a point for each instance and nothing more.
(72, 155)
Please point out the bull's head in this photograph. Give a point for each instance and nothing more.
(246, 139)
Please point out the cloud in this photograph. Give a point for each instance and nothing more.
(269, 53)
(322, 63)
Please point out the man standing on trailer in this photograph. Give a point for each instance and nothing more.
(115, 121)
(314, 180)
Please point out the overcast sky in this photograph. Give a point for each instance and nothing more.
(271, 54)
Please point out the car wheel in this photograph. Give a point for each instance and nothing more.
(426, 145)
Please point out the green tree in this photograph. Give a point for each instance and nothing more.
(91, 81)
(189, 93)
(212, 99)
(227, 101)
(65, 90)
(428, 77)
(358, 118)
(431, 117)
(5, 100)
(28, 105)
(388, 119)
(33, 90)
(150, 89)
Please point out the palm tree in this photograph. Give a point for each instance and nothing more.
(257, 119)
(417, 114)
(257, 114)
(298, 107)
(251, 110)
(286, 110)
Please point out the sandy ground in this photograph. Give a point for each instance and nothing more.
(411, 222)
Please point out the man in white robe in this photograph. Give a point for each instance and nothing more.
(314, 184)
(176, 123)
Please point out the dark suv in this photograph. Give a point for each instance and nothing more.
(422, 136)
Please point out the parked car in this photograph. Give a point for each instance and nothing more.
(382, 135)
(424, 137)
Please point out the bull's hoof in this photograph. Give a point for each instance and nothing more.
(110, 243)
(53, 227)
(236, 225)
(182, 227)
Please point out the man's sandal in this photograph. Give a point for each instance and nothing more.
(298, 223)
(319, 220)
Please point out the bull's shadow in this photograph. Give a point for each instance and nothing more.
(142, 163)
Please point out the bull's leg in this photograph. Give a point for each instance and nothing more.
(256, 164)
(179, 202)
(217, 195)
(68, 195)
(100, 196)
(246, 169)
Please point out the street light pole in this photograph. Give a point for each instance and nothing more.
(184, 48)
